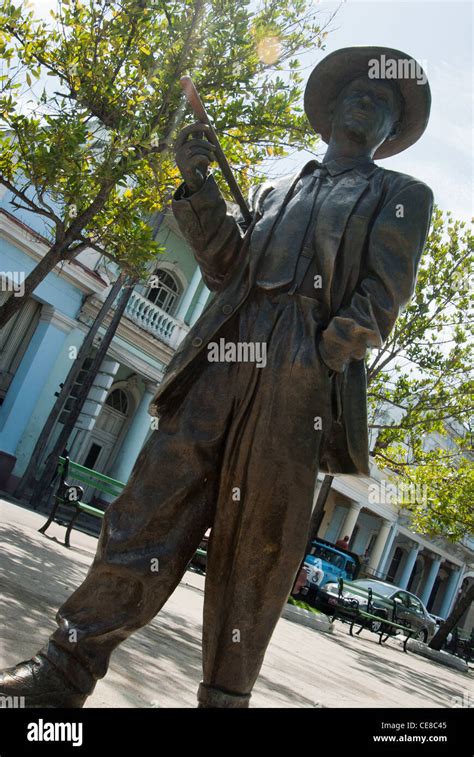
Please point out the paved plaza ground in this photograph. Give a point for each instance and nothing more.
(160, 666)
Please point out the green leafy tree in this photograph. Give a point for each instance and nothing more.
(90, 104)
(424, 375)
(420, 392)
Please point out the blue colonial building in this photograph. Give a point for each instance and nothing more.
(38, 345)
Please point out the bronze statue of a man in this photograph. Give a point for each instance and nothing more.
(317, 277)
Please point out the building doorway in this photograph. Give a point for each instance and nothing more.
(394, 565)
(103, 442)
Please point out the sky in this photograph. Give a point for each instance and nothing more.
(439, 35)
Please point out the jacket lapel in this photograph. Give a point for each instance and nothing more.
(276, 204)
(331, 223)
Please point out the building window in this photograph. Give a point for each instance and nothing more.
(371, 543)
(15, 337)
(92, 456)
(353, 537)
(165, 292)
(118, 400)
(394, 565)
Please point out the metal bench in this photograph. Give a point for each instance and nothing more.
(71, 494)
(368, 620)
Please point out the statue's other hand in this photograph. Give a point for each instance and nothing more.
(194, 152)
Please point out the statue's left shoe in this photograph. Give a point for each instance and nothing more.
(40, 684)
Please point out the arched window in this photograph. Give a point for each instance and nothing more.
(118, 400)
(14, 340)
(164, 291)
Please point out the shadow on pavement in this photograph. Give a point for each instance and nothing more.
(371, 655)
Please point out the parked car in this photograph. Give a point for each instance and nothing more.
(388, 601)
(325, 563)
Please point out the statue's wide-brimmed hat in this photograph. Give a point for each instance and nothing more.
(339, 68)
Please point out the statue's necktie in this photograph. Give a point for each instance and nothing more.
(307, 248)
(291, 235)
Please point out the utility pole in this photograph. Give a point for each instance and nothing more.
(318, 510)
(316, 518)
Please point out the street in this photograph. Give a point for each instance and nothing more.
(160, 665)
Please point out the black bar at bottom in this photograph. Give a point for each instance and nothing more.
(310, 730)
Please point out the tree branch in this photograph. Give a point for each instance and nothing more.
(32, 206)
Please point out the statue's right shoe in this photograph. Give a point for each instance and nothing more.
(41, 685)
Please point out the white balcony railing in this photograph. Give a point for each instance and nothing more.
(155, 321)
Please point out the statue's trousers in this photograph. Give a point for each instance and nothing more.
(238, 452)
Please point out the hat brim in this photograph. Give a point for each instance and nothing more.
(342, 66)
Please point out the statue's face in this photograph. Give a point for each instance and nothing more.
(367, 111)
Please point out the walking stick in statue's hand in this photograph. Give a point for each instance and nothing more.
(196, 104)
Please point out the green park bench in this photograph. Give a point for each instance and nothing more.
(369, 621)
(384, 627)
(69, 496)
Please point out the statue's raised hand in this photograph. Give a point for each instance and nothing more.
(194, 153)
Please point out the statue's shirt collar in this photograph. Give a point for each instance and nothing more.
(364, 166)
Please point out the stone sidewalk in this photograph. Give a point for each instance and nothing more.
(303, 668)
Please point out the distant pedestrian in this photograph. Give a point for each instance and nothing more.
(343, 543)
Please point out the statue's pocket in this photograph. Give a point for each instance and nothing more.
(336, 395)
(335, 381)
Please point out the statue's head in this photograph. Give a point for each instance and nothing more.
(368, 112)
(375, 96)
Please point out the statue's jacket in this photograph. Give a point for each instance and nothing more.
(370, 232)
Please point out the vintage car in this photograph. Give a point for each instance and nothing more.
(386, 601)
(326, 563)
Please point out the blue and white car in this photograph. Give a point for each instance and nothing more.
(326, 563)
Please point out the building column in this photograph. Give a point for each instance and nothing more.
(97, 395)
(200, 305)
(31, 376)
(350, 520)
(135, 438)
(430, 579)
(189, 295)
(382, 569)
(409, 565)
(449, 593)
(379, 546)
